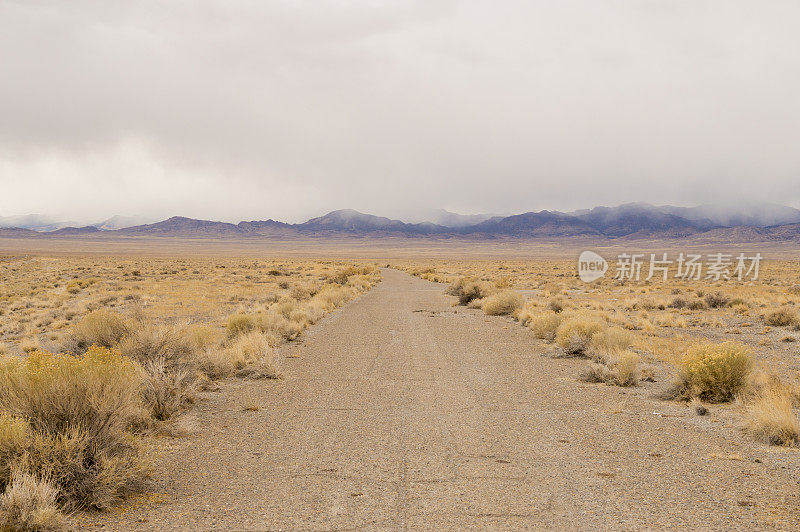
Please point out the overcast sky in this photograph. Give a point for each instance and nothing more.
(236, 110)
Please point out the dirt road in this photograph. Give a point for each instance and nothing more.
(403, 412)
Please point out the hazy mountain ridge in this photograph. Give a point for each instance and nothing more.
(629, 221)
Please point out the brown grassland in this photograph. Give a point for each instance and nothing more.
(102, 353)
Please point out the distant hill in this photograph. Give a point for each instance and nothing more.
(35, 222)
(534, 225)
(122, 222)
(446, 218)
(629, 221)
(350, 221)
(184, 227)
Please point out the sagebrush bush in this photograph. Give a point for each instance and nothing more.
(77, 410)
(331, 297)
(167, 392)
(608, 341)
(556, 305)
(544, 326)
(148, 341)
(575, 334)
(626, 368)
(714, 372)
(30, 503)
(15, 436)
(771, 418)
(782, 317)
(276, 324)
(240, 324)
(502, 303)
(468, 289)
(101, 327)
(253, 347)
(717, 300)
(620, 370)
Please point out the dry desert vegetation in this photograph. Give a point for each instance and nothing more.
(100, 354)
(727, 342)
(103, 356)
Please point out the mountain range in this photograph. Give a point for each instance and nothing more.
(634, 220)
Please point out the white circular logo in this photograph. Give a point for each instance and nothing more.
(591, 266)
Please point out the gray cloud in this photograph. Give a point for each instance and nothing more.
(248, 110)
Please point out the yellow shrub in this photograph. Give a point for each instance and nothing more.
(502, 303)
(545, 325)
(77, 409)
(606, 342)
(100, 327)
(575, 335)
(714, 372)
(240, 324)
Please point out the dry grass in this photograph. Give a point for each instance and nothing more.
(575, 335)
(503, 303)
(771, 418)
(166, 393)
(782, 317)
(544, 326)
(30, 504)
(100, 327)
(468, 289)
(620, 370)
(141, 334)
(609, 341)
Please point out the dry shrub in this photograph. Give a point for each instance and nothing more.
(717, 300)
(331, 297)
(240, 324)
(340, 277)
(203, 336)
(15, 436)
(503, 303)
(544, 326)
(609, 341)
(782, 317)
(167, 392)
(215, 363)
(77, 410)
(242, 351)
(30, 504)
(265, 366)
(476, 304)
(278, 325)
(696, 304)
(468, 289)
(575, 334)
(771, 418)
(301, 292)
(596, 372)
(556, 305)
(148, 341)
(100, 327)
(626, 368)
(714, 372)
(620, 370)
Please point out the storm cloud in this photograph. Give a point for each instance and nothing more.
(237, 110)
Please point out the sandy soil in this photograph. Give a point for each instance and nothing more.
(403, 412)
